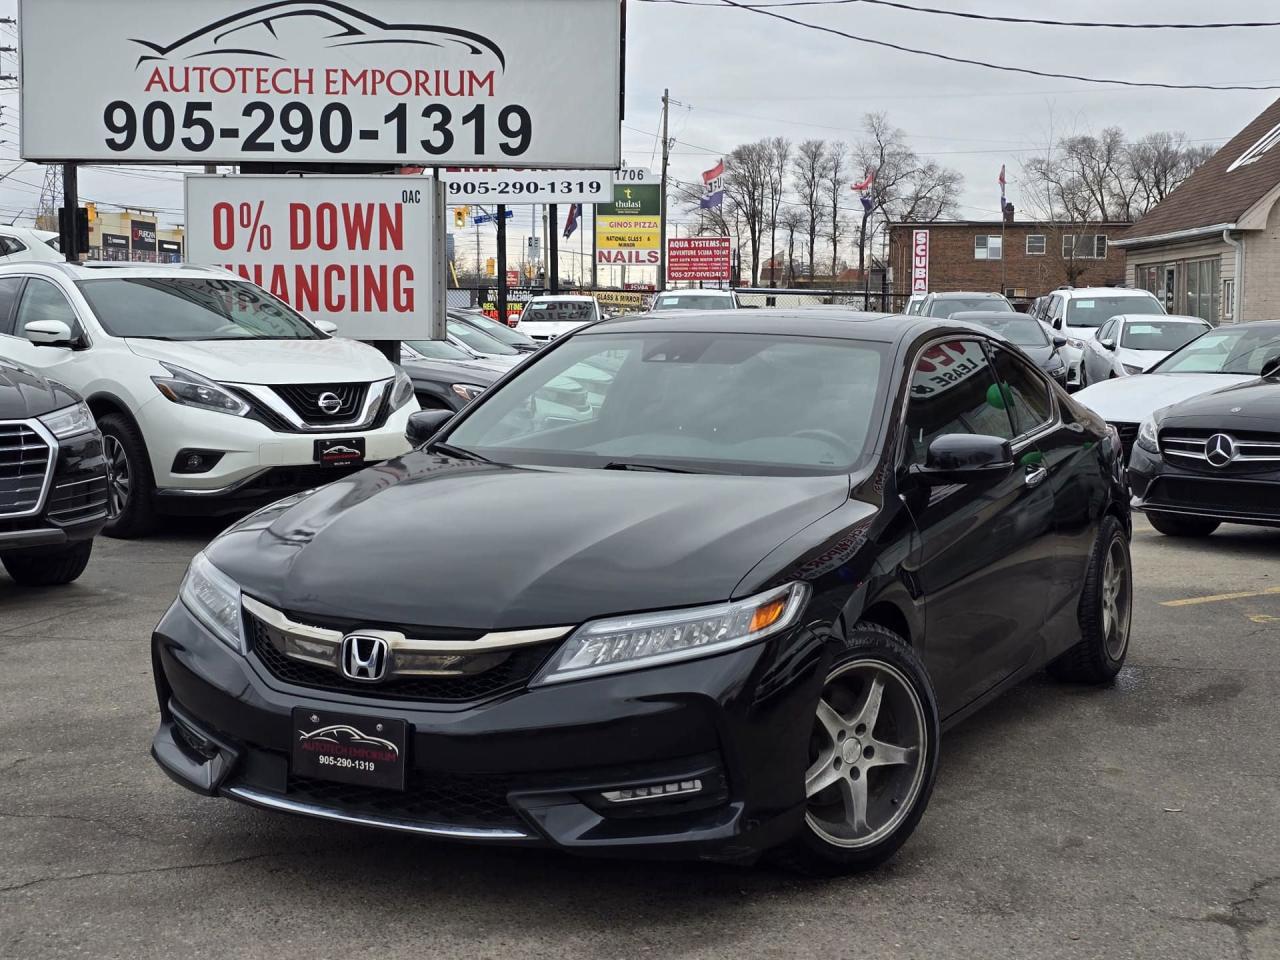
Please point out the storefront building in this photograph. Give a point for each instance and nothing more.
(1211, 249)
(133, 236)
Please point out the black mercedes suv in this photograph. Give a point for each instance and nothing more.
(726, 608)
(53, 479)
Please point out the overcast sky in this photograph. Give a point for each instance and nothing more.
(740, 76)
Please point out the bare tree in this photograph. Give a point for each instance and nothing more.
(792, 221)
(809, 169)
(834, 182)
(746, 185)
(779, 153)
(1161, 162)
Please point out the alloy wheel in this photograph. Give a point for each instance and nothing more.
(1116, 605)
(867, 754)
(119, 480)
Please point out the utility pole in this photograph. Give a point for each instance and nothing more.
(502, 263)
(553, 247)
(595, 271)
(662, 206)
(70, 234)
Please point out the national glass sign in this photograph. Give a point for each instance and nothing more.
(524, 83)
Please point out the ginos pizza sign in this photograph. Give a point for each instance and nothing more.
(920, 261)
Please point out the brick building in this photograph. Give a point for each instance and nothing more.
(1026, 260)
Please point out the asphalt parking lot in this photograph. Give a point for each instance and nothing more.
(1137, 821)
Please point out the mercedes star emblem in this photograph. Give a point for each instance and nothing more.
(1220, 450)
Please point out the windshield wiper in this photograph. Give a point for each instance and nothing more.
(459, 453)
(647, 467)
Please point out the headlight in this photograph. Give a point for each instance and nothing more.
(193, 390)
(1077, 344)
(1147, 438)
(467, 391)
(648, 640)
(214, 599)
(69, 421)
(1131, 369)
(401, 391)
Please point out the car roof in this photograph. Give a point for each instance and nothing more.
(1151, 317)
(701, 293)
(125, 271)
(781, 321)
(562, 298)
(1105, 292)
(967, 293)
(991, 315)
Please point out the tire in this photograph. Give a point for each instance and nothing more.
(1105, 612)
(132, 485)
(46, 567)
(1174, 525)
(893, 794)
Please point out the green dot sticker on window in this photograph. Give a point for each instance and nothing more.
(999, 396)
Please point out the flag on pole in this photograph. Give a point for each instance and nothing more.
(863, 189)
(1001, 182)
(571, 222)
(713, 187)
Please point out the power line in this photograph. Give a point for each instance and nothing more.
(985, 16)
(1148, 84)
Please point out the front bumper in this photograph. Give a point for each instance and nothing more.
(73, 508)
(249, 448)
(526, 767)
(1158, 487)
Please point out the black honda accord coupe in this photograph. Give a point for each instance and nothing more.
(724, 609)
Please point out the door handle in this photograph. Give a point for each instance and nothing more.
(1036, 476)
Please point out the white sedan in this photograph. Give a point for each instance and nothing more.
(1220, 358)
(1134, 343)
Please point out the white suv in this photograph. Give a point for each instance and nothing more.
(212, 395)
(1078, 314)
(545, 318)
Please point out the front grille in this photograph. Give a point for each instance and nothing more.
(1228, 497)
(512, 673)
(461, 800)
(304, 400)
(1254, 451)
(76, 501)
(1128, 437)
(24, 469)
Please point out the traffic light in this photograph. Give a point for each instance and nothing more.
(460, 217)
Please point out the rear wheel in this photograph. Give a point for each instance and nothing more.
(131, 501)
(46, 567)
(1105, 612)
(872, 757)
(1173, 525)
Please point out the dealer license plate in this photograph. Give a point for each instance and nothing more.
(368, 751)
(340, 453)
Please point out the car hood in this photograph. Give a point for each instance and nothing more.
(333, 360)
(1133, 399)
(545, 330)
(25, 394)
(479, 372)
(430, 541)
(1146, 359)
(1252, 405)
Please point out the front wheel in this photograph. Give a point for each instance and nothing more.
(872, 757)
(46, 567)
(131, 487)
(1173, 525)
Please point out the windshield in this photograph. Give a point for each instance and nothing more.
(187, 308)
(722, 403)
(946, 307)
(559, 311)
(437, 350)
(480, 342)
(1225, 351)
(692, 301)
(1096, 311)
(1018, 328)
(1163, 335)
(499, 331)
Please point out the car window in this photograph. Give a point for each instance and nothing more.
(42, 300)
(1163, 335)
(437, 350)
(1027, 397)
(559, 311)
(953, 390)
(1055, 308)
(9, 287)
(11, 245)
(1019, 328)
(1240, 351)
(1095, 311)
(692, 301)
(1105, 331)
(945, 307)
(499, 331)
(480, 342)
(727, 403)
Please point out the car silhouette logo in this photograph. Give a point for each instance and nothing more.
(1220, 450)
(329, 403)
(340, 448)
(347, 735)
(365, 658)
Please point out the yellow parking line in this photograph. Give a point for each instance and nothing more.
(1192, 601)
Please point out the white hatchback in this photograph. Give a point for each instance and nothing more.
(212, 395)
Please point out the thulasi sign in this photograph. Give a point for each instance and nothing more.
(355, 251)
(436, 82)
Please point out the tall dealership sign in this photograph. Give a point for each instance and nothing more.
(356, 251)
(919, 261)
(629, 230)
(426, 82)
(699, 259)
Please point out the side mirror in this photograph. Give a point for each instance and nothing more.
(1107, 344)
(1271, 368)
(964, 458)
(1060, 342)
(49, 333)
(326, 326)
(425, 424)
